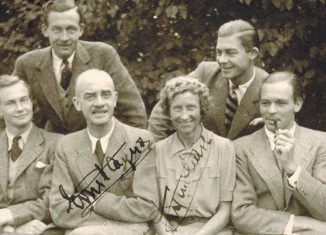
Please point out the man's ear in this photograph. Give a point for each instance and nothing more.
(253, 53)
(298, 104)
(44, 30)
(115, 98)
(81, 26)
(76, 103)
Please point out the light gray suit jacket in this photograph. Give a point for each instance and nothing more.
(36, 68)
(127, 198)
(262, 200)
(248, 109)
(33, 178)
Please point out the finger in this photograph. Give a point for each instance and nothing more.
(284, 138)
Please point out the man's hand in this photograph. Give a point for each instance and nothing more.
(6, 217)
(302, 223)
(284, 143)
(32, 227)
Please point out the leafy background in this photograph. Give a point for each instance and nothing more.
(159, 39)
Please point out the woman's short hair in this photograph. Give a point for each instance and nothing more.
(9, 80)
(180, 85)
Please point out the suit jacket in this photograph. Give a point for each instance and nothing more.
(248, 109)
(262, 200)
(33, 178)
(131, 198)
(36, 68)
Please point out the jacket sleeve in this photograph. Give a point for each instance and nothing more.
(130, 108)
(246, 215)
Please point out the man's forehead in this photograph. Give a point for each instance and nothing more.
(231, 41)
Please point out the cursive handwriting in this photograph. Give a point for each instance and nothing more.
(85, 198)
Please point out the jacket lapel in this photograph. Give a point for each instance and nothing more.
(4, 162)
(48, 81)
(32, 149)
(247, 109)
(265, 164)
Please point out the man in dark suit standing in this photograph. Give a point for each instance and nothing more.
(281, 169)
(26, 156)
(52, 71)
(233, 83)
(104, 179)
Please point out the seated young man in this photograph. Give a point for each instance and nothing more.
(26, 156)
(281, 168)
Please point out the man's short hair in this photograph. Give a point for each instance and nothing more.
(244, 30)
(59, 6)
(9, 80)
(180, 85)
(291, 78)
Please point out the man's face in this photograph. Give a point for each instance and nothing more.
(16, 106)
(235, 62)
(185, 113)
(277, 104)
(96, 98)
(63, 31)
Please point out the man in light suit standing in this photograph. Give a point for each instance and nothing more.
(52, 71)
(233, 81)
(104, 178)
(26, 156)
(281, 168)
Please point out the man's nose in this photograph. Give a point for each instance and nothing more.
(272, 108)
(184, 114)
(99, 101)
(64, 35)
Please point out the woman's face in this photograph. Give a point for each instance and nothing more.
(185, 113)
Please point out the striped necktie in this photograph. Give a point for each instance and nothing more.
(65, 74)
(99, 152)
(230, 107)
(15, 149)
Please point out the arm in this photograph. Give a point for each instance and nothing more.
(141, 206)
(130, 108)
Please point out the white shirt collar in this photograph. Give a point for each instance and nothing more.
(104, 140)
(57, 64)
(271, 135)
(23, 140)
(241, 90)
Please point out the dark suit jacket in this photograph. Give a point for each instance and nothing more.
(36, 68)
(33, 179)
(262, 200)
(127, 199)
(208, 73)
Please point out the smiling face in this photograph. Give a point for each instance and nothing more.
(96, 98)
(16, 107)
(277, 104)
(235, 62)
(185, 114)
(63, 31)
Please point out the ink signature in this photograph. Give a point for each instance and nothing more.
(87, 197)
(183, 186)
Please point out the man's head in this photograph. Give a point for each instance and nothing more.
(236, 50)
(16, 106)
(281, 96)
(62, 25)
(95, 97)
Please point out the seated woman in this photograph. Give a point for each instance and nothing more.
(195, 167)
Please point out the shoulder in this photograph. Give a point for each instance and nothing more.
(248, 141)
(31, 55)
(311, 136)
(49, 137)
(72, 139)
(133, 133)
(209, 66)
(162, 144)
(100, 47)
(260, 73)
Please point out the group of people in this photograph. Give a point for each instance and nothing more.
(223, 153)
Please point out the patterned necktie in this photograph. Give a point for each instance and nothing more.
(230, 107)
(65, 74)
(99, 152)
(15, 149)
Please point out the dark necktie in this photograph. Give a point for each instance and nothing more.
(230, 107)
(15, 149)
(99, 152)
(65, 74)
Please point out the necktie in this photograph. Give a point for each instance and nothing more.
(230, 107)
(65, 74)
(15, 149)
(99, 152)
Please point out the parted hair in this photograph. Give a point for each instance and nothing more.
(9, 80)
(243, 30)
(180, 85)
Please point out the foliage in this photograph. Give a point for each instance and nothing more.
(159, 39)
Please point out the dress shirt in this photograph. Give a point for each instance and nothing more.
(57, 65)
(104, 140)
(22, 140)
(241, 89)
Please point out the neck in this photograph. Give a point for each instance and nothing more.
(245, 77)
(18, 130)
(98, 131)
(190, 139)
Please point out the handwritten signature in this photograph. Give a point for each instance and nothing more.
(191, 160)
(87, 197)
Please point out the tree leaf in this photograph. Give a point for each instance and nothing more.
(172, 11)
(276, 3)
